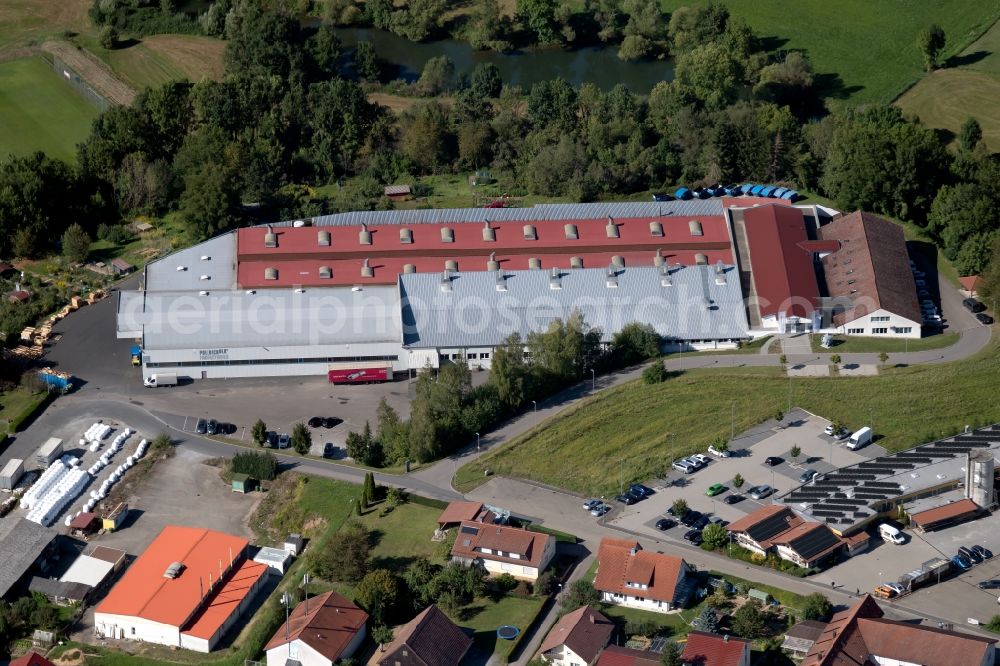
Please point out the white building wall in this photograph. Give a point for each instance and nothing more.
(136, 629)
(519, 571)
(297, 649)
(642, 603)
(895, 326)
(189, 642)
(563, 656)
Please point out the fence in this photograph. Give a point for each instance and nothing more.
(71, 77)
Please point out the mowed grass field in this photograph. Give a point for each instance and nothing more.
(649, 426)
(26, 22)
(38, 111)
(969, 86)
(871, 46)
(161, 58)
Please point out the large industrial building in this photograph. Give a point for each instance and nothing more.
(186, 590)
(361, 296)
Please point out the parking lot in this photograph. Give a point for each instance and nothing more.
(819, 452)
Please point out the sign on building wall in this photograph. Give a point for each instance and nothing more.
(213, 354)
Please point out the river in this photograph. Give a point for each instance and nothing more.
(599, 65)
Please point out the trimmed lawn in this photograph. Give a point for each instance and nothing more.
(683, 415)
(402, 535)
(158, 59)
(25, 22)
(38, 111)
(16, 402)
(677, 623)
(484, 617)
(850, 344)
(857, 33)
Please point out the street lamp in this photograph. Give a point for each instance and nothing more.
(880, 579)
(286, 601)
(871, 421)
(789, 393)
(535, 403)
(477, 443)
(593, 380)
(732, 430)
(621, 476)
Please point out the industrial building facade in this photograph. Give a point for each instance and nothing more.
(362, 296)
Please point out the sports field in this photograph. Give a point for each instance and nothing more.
(870, 45)
(38, 111)
(647, 427)
(969, 86)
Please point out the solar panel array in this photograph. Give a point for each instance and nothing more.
(846, 496)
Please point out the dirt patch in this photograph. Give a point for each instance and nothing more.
(69, 658)
(314, 525)
(93, 71)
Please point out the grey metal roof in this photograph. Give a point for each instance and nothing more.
(578, 211)
(475, 314)
(219, 266)
(21, 542)
(58, 588)
(269, 317)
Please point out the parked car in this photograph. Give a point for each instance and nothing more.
(972, 305)
(625, 499)
(683, 466)
(760, 492)
(227, 428)
(702, 458)
(201, 427)
(701, 523)
(637, 497)
(773, 461)
(986, 553)
(989, 584)
(807, 476)
(331, 421)
(984, 318)
(600, 510)
(665, 524)
(715, 489)
(961, 563)
(639, 489)
(284, 441)
(715, 520)
(315, 422)
(591, 503)
(212, 428)
(718, 453)
(895, 587)
(694, 536)
(272, 439)
(734, 498)
(329, 450)
(844, 434)
(691, 517)
(970, 555)
(828, 430)
(694, 462)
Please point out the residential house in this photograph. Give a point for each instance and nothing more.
(776, 528)
(756, 530)
(429, 639)
(320, 631)
(808, 545)
(629, 576)
(615, 655)
(705, 649)
(502, 549)
(861, 635)
(577, 638)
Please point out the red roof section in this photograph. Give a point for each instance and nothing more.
(707, 649)
(970, 283)
(621, 562)
(456, 512)
(299, 255)
(31, 659)
(329, 627)
(82, 521)
(949, 511)
(144, 592)
(783, 273)
(615, 655)
(585, 631)
(226, 600)
(529, 546)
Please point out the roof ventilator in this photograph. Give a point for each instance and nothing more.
(612, 277)
(534, 263)
(447, 235)
(270, 273)
(658, 258)
(205, 277)
(325, 272)
(364, 236)
(489, 233)
(446, 280)
(270, 238)
(571, 232)
(720, 273)
(451, 265)
(493, 264)
(530, 233)
(555, 279)
(666, 279)
(576, 262)
(366, 269)
(656, 229)
(694, 226)
(205, 257)
(323, 238)
(409, 268)
(618, 261)
(501, 281)
(174, 570)
(612, 228)
(701, 259)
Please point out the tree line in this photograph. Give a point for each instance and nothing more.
(285, 120)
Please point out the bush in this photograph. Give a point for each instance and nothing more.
(642, 627)
(816, 607)
(581, 593)
(655, 374)
(259, 465)
(749, 620)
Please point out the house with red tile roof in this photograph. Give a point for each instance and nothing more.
(429, 639)
(629, 576)
(870, 284)
(503, 549)
(706, 649)
(187, 589)
(577, 639)
(861, 635)
(319, 631)
(615, 655)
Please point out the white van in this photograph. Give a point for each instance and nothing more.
(890, 534)
(860, 438)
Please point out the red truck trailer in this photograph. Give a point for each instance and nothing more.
(360, 375)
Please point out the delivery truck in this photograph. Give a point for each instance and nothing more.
(158, 379)
(862, 437)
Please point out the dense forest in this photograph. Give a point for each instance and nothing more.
(286, 118)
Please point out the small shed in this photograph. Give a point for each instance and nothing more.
(397, 192)
(85, 524)
(49, 452)
(244, 483)
(11, 474)
(759, 595)
(43, 638)
(19, 296)
(121, 267)
(115, 518)
(294, 544)
(142, 227)
(276, 559)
